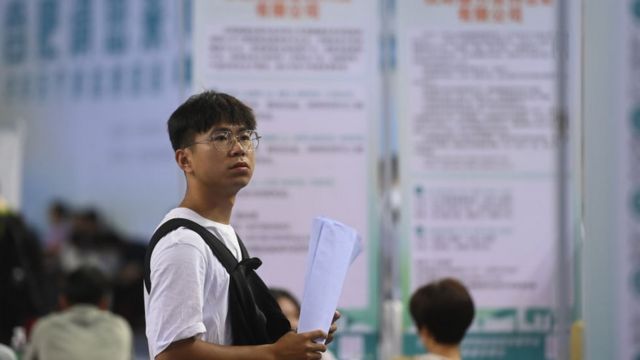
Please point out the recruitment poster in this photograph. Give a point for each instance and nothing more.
(309, 69)
(476, 91)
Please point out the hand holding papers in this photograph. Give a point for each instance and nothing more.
(332, 248)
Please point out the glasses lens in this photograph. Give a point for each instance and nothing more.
(222, 140)
(255, 140)
(248, 140)
(225, 140)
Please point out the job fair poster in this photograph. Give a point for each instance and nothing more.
(309, 69)
(476, 90)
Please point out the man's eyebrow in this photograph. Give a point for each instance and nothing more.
(226, 128)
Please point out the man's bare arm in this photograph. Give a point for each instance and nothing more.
(290, 346)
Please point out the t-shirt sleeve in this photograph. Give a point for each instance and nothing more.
(176, 298)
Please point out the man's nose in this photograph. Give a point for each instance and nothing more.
(236, 146)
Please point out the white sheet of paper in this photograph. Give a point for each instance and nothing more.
(333, 246)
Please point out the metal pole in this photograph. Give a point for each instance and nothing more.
(563, 259)
(390, 334)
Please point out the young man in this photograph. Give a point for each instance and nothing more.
(187, 308)
(84, 329)
(442, 311)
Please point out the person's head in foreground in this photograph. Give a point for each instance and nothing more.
(442, 310)
(214, 139)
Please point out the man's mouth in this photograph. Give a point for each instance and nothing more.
(240, 164)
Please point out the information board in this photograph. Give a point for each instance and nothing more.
(309, 69)
(476, 84)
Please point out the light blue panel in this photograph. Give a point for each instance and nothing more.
(600, 177)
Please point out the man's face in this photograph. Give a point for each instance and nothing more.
(220, 160)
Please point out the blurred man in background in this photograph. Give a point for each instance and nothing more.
(21, 276)
(84, 329)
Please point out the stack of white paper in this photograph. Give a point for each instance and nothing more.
(332, 248)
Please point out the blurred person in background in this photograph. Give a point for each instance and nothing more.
(82, 238)
(58, 228)
(6, 353)
(290, 307)
(21, 276)
(54, 240)
(442, 311)
(84, 328)
(93, 243)
(128, 300)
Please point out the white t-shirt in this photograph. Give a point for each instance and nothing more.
(189, 286)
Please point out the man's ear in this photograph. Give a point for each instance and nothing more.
(63, 302)
(104, 303)
(183, 159)
(425, 335)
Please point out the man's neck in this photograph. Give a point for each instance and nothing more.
(212, 206)
(447, 351)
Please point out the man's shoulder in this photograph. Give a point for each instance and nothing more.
(188, 242)
(48, 321)
(119, 323)
(186, 236)
(78, 314)
(184, 213)
(181, 236)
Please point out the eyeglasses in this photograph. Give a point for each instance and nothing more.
(224, 140)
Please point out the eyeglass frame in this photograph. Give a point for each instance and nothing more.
(230, 143)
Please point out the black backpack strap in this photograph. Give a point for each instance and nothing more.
(243, 249)
(256, 316)
(218, 248)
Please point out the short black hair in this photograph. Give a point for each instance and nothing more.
(59, 208)
(203, 111)
(86, 285)
(445, 308)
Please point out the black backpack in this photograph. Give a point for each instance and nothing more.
(256, 317)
